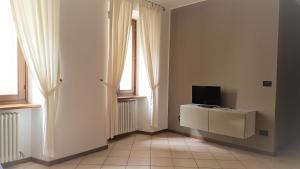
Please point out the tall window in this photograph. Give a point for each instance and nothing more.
(12, 65)
(128, 80)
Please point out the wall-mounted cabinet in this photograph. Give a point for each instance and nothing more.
(194, 117)
(223, 121)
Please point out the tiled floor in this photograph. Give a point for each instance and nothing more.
(172, 151)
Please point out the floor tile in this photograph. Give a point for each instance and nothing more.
(119, 153)
(218, 149)
(35, 166)
(160, 147)
(116, 161)
(140, 153)
(92, 160)
(88, 167)
(64, 166)
(141, 148)
(243, 156)
(139, 161)
(223, 156)
(164, 162)
(198, 148)
(160, 142)
(184, 163)
(254, 164)
(203, 155)
(138, 167)
(231, 164)
(208, 164)
(126, 142)
(161, 153)
(187, 168)
(157, 167)
(180, 154)
(122, 147)
(142, 143)
(142, 137)
(113, 167)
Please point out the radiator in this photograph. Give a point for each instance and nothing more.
(8, 137)
(127, 116)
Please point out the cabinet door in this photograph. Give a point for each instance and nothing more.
(227, 123)
(194, 117)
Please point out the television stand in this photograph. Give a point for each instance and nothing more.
(236, 123)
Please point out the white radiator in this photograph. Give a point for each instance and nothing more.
(8, 137)
(127, 116)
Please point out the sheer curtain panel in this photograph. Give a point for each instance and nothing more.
(150, 31)
(121, 16)
(37, 24)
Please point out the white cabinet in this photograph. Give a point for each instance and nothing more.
(228, 122)
(234, 123)
(194, 117)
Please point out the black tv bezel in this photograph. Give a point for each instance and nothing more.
(215, 103)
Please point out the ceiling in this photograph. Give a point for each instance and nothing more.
(172, 4)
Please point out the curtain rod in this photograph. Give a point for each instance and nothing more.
(153, 3)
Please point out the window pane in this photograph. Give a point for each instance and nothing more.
(126, 81)
(8, 51)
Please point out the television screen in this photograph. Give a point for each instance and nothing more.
(206, 95)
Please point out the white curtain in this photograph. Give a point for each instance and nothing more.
(150, 32)
(37, 24)
(121, 16)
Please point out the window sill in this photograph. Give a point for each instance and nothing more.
(131, 97)
(18, 106)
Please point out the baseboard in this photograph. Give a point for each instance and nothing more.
(151, 133)
(71, 157)
(241, 147)
(13, 163)
(225, 143)
(119, 137)
(54, 162)
(187, 135)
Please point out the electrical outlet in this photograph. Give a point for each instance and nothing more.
(267, 83)
(264, 133)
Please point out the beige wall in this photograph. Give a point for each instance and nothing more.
(232, 44)
(288, 89)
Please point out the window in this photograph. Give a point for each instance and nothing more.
(128, 80)
(12, 64)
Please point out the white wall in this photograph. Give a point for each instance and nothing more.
(80, 120)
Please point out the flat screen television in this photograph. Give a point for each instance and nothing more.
(206, 95)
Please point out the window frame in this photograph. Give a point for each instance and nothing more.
(21, 97)
(134, 68)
